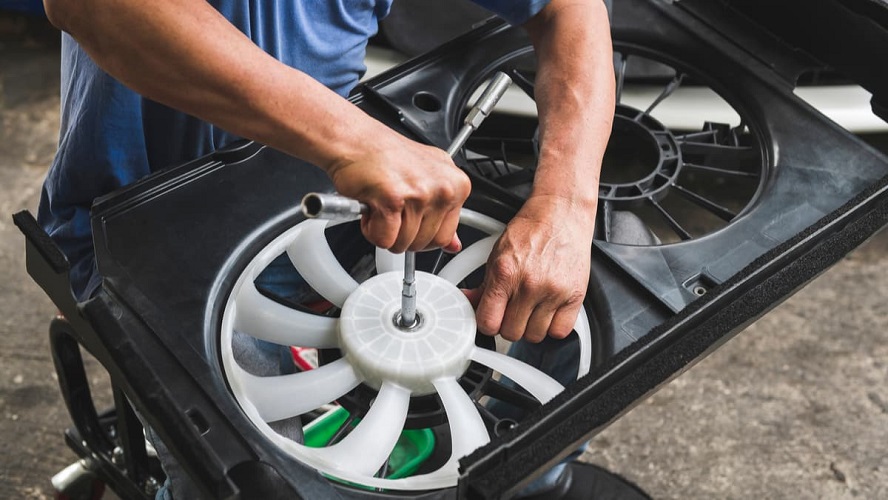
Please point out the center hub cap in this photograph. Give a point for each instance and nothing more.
(436, 347)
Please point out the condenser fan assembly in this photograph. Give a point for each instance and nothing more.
(706, 220)
(397, 364)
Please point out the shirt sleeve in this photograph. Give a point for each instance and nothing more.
(516, 12)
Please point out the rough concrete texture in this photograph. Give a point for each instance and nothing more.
(796, 406)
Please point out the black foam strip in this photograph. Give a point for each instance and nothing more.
(35, 234)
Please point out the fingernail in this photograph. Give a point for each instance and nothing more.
(458, 243)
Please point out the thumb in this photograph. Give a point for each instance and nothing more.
(474, 296)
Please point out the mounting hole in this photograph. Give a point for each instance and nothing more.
(426, 102)
(503, 426)
(699, 290)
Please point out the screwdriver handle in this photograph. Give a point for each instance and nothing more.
(335, 206)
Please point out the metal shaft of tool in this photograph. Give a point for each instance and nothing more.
(407, 318)
(483, 107)
(334, 206)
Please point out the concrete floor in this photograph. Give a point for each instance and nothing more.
(795, 406)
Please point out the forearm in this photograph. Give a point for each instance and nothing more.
(188, 56)
(575, 99)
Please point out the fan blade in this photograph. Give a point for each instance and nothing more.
(387, 262)
(369, 445)
(310, 253)
(263, 318)
(584, 334)
(284, 396)
(473, 257)
(537, 383)
(467, 430)
(481, 222)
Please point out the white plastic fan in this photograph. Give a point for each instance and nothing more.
(428, 359)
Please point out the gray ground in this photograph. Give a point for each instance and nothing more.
(795, 406)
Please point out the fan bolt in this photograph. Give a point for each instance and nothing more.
(151, 486)
(416, 325)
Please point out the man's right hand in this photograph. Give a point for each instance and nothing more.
(414, 193)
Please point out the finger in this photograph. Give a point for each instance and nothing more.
(516, 316)
(491, 308)
(427, 231)
(538, 324)
(410, 221)
(455, 245)
(563, 320)
(381, 227)
(446, 237)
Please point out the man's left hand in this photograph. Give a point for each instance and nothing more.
(538, 272)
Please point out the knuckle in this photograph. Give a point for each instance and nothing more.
(399, 245)
(386, 242)
(576, 298)
(486, 318)
(537, 287)
(441, 240)
(487, 326)
(446, 195)
(511, 336)
(423, 193)
(390, 197)
(418, 245)
(391, 203)
(380, 238)
(559, 332)
(534, 337)
(502, 269)
(396, 203)
(466, 188)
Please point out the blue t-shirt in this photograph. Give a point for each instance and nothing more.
(110, 136)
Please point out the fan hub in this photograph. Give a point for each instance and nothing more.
(380, 350)
(642, 159)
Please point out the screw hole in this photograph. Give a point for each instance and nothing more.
(426, 102)
(503, 426)
(699, 291)
(198, 420)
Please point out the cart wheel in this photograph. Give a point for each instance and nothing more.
(397, 365)
(77, 482)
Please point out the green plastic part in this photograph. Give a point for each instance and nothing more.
(412, 449)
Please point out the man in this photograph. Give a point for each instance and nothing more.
(152, 84)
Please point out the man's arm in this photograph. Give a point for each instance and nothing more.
(538, 272)
(188, 56)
